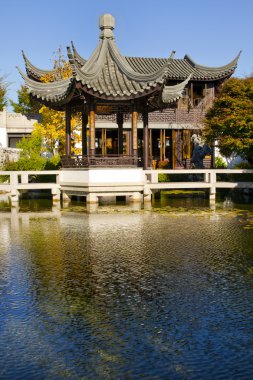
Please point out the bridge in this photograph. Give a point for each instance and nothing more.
(210, 179)
(137, 184)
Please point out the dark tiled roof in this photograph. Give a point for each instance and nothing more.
(34, 72)
(182, 68)
(107, 74)
(57, 91)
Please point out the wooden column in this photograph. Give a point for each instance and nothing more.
(103, 138)
(173, 148)
(84, 133)
(192, 96)
(145, 140)
(92, 129)
(162, 144)
(120, 132)
(205, 90)
(150, 145)
(134, 132)
(68, 129)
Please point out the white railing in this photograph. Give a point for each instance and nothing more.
(18, 181)
(198, 179)
(15, 181)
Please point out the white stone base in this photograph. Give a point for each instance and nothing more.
(104, 182)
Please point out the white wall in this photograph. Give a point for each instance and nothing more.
(3, 130)
(13, 123)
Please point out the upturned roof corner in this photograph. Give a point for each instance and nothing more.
(110, 76)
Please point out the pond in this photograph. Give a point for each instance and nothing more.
(119, 293)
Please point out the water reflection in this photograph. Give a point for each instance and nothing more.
(119, 293)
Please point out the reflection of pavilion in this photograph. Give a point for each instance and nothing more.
(121, 99)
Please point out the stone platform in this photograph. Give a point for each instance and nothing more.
(103, 182)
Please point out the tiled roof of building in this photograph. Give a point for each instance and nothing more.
(108, 75)
(34, 72)
(179, 69)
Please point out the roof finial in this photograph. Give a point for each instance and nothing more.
(172, 54)
(106, 24)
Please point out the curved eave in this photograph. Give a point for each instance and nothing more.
(118, 98)
(132, 74)
(54, 92)
(172, 93)
(77, 57)
(221, 69)
(34, 72)
(179, 69)
(96, 63)
(108, 75)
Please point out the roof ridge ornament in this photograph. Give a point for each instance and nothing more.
(172, 54)
(106, 24)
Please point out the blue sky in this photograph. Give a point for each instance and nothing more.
(212, 32)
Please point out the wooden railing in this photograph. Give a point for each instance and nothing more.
(98, 161)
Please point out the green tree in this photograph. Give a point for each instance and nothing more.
(230, 120)
(31, 149)
(25, 105)
(3, 93)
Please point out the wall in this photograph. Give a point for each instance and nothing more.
(8, 154)
(14, 124)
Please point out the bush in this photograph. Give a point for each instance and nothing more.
(163, 165)
(54, 163)
(243, 165)
(246, 177)
(30, 157)
(220, 163)
(33, 163)
(163, 178)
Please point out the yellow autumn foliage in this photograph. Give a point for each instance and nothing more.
(52, 129)
(52, 125)
(63, 71)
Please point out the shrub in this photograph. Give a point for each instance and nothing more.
(163, 165)
(54, 163)
(30, 157)
(163, 178)
(243, 165)
(220, 163)
(33, 163)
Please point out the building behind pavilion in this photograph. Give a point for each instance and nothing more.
(135, 111)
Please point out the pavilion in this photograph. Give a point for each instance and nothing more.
(110, 85)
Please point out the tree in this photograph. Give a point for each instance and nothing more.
(230, 120)
(25, 105)
(52, 125)
(31, 157)
(51, 128)
(3, 93)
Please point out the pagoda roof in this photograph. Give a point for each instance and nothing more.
(108, 75)
(58, 91)
(34, 72)
(180, 69)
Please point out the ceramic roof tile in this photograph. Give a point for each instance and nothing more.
(109, 74)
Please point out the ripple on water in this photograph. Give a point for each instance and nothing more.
(126, 295)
